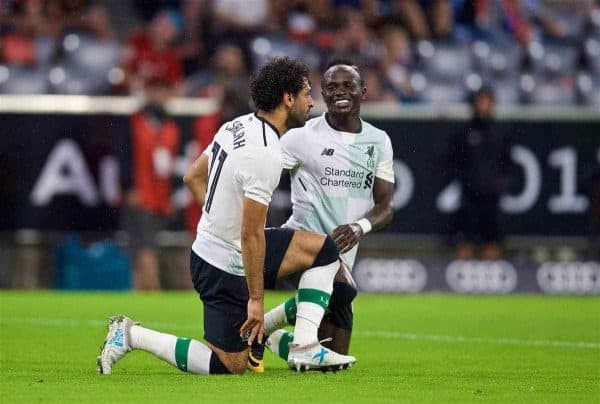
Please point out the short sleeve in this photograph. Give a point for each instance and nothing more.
(385, 168)
(259, 174)
(291, 146)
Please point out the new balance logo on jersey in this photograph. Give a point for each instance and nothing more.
(327, 152)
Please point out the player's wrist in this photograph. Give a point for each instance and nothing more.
(364, 225)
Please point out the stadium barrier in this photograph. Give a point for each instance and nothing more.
(412, 275)
(62, 159)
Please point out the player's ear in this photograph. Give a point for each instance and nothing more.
(363, 92)
(288, 100)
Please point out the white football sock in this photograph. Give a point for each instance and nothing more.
(186, 354)
(279, 343)
(314, 291)
(280, 316)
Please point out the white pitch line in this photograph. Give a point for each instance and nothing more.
(58, 322)
(478, 340)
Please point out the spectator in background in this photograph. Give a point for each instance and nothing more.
(155, 142)
(227, 70)
(192, 46)
(148, 9)
(493, 21)
(236, 21)
(149, 55)
(302, 18)
(20, 27)
(426, 19)
(376, 89)
(355, 40)
(96, 22)
(395, 61)
(479, 159)
(305, 21)
(560, 20)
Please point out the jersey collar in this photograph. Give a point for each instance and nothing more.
(268, 123)
(326, 118)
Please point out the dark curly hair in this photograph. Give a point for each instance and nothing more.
(278, 76)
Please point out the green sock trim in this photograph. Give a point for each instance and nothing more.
(181, 353)
(315, 296)
(290, 310)
(284, 345)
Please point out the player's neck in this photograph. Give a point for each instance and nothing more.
(276, 119)
(344, 122)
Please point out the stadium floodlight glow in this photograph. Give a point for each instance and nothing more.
(426, 49)
(473, 82)
(4, 74)
(418, 82)
(397, 74)
(71, 42)
(536, 50)
(261, 46)
(527, 83)
(592, 47)
(553, 62)
(116, 76)
(482, 49)
(498, 62)
(57, 75)
(584, 82)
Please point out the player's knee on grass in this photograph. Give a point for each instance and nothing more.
(232, 363)
(329, 253)
(217, 367)
(340, 305)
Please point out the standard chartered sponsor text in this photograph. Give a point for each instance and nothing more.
(347, 182)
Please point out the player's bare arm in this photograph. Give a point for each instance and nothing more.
(196, 178)
(348, 235)
(253, 257)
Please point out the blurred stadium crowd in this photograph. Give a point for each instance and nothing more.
(542, 52)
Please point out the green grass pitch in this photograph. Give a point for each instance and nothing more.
(410, 348)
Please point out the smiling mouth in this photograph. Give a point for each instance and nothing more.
(342, 103)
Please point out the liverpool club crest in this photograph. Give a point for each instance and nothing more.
(370, 153)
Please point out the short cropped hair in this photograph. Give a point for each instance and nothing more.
(278, 76)
(341, 60)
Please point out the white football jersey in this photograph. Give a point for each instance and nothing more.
(245, 160)
(332, 174)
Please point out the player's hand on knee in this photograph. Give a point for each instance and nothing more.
(347, 236)
(254, 327)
